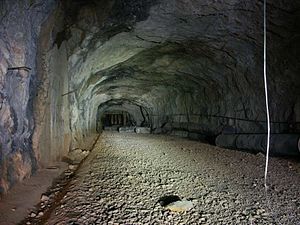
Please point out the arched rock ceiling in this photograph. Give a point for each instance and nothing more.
(194, 66)
(183, 57)
(138, 113)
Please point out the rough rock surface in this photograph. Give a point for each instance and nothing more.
(123, 179)
(184, 67)
(194, 67)
(20, 23)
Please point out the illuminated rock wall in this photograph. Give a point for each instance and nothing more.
(191, 68)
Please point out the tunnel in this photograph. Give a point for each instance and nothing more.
(149, 112)
(121, 114)
(118, 118)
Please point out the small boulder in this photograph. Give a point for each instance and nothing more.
(180, 206)
(143, 130)
(40, 214)
(72, 167)
(44, 198)
(126, 129)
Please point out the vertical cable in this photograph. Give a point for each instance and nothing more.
(266, 92)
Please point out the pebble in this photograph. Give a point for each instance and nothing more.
(44, 198)
(72, 167)
(180, 206)
(123, 183)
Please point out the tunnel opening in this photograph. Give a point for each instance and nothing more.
(123, 116)
(113, 120)
(180, 68)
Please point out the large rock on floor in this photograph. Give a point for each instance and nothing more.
(143, 130)
(126, 129)
(180, 206)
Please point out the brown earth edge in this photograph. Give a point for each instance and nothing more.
(25, 198)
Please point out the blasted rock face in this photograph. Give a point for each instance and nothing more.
(194, 67)
(183, 67)
(18, 160)
(18, 48)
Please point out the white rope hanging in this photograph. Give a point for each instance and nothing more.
(266, 94)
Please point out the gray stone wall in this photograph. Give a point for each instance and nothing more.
(20, 23)
(194, 67)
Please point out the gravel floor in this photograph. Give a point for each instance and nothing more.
(123, 178)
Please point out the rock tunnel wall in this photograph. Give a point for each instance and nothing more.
(196, 67)
(20, 23)
(193, 67)
(138, 114)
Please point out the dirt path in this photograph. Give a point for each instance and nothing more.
(123, 178)
(22, 198)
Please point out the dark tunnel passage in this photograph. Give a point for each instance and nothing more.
(122, 113)
(176, 83)
(120, 118)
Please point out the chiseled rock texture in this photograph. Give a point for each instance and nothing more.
(184, 67)
(20, 23)
(195, 67)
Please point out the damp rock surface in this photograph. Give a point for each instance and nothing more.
(124, 180)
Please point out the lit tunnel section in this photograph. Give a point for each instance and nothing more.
(116, 118)
(118, 115)
(184, 68)
(175, 76)
(181, 89)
